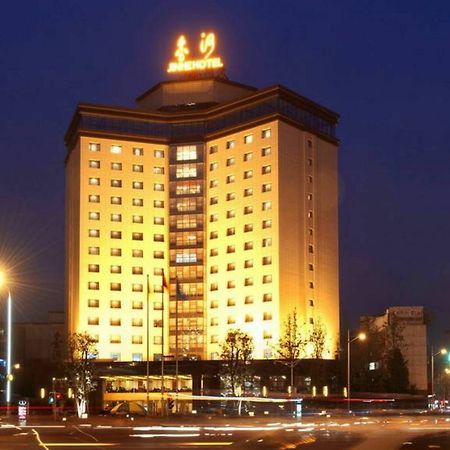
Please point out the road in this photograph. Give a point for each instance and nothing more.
(356, 433)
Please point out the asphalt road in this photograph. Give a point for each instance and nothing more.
(356, 433)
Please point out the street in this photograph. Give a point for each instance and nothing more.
(319, 432)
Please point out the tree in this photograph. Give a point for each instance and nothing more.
(291, 345)
(397, 374)
(236, 351)
(317, 339)
(80, 368)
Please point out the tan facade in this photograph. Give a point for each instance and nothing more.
(244, 217)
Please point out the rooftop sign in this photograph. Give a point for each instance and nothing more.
(206, 62)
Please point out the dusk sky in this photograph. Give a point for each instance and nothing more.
(384, 66)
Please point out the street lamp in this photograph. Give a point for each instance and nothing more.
(8, 343)
(442, 351)
(360, 337)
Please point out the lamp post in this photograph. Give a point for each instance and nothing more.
(361, 337)
(442, 351)
(8, 343)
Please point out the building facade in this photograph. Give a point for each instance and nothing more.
(227, 192)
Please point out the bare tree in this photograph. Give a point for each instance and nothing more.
(291, 346)
(317, 339)
(236, 351)
(80, 368)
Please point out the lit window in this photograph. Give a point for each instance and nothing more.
(94, 164)
(248, 245)
(94, 199)
(115, 287)
(214, 321)
(310, 214)
(266, 206)
(267, 187)
(116, 166)
(115, 339)
(267, 279)
(138, 219)
(94, 233)
(230, 144)
(157, 306)
(158, 203)
(266, 133)
(157, 271)
(116, 183)
(213, 252)
(248, 192)
(231, 320)
(266, 169)
(248, 227)
(214, 339)
(248, 209)
(267, 335)
(213, 217)
(248, 263)
(248, 299)
(137, 253)
(231, 284)
(93, 321)
(138, 168)
(310, 249)
(158, 153)
(116, 217)
(231, 302)
(267, 223)
(116, 200)
(231, 179)
(213, 166)
(138, 151)
(248, 281)
(115, 304)
(116, 149)
(158, 254)
(213, 149)
(93, 268)
(248, 139)
(186, 152)
(231, 161)
(157, 323)
(266, 151)
(231, 196)
(94, 250)
(186, 171)
(267, 242)
(158, 170)
(267, 260)
(137, 340)
(137, 304)
(93, 285)
(158, 220)
(116, 269)
(214, 200)
(231, 231)
(214, 287)
(231, 249)
(231, 266)
(231, 213)
(116, 252)
(94, 147)
(136, 322)
(213, 183)
(213, 235)
(94, 216)
(137, 270)
(248, 318)
(93, 181)
(214, 269)
(158, 237)
(248, 174)
(137, 236)
(138, 185)
(309, 196)
(267, 297)
(94, 303)
(158, 187)
(214, 304)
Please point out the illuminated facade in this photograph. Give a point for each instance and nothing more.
(228, 189)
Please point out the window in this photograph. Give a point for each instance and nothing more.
(266, 133)
(213, 252)
(248, 139)
(231, 196)
(158, 254)
(248, 281)
(214, 304)
(157, 323)
(311, 285)
(94, 147)
(138, 219)
(116, 200)
(310, 162)
(248, 209)
(115, 269)
(116, 183)
(94, 164)
(231, 179)
(213, 286)
(267, 351)
(231, 161)
(248, 299)
(309, 196)
(231, 302)
(248, 156)
(248, 245)
(158, 220)
(115, 339)
(231, 284)
(158, 204)
(137, 236)
(186, 171)
(231, 213)
(115, 304)
(310, 179)
(115, 286)
(137, 270)
(138, 168)
(94, 181)
(93, 321)
(248, 174)
(94, 250)
(310, 231)
(157, 306)
(230, 144)
(136, 322)
(231, 320)
(214, 339)
(214, 321)
(94, 303)
(93, 285)
(137, 304)
(116, 252)
(94, 233)
(116, 217)
(158, 153)
(116, 149)
(116, 166)
(266, 206)
(248, 318)
(213, 235)
(248, 263)
(266, 169)
(213, 149)
(267, 260)
(94, 216)
(311, 321)
(311, 267)
(267, 279)
(186, 152)
(136, 357)
(311, 302)
(267, 187)
(214, 200)
(267, 297)
(93, 268)
(267, 223)
(267, 242)
(310, 214)
(159, 187)
(137, 253)
(157, 340)
(213, 183)
(138, 151)
(310, 249)
(158, 238)
(266, 151)
(213, 166)
(248, 227)
(231, 231)
(94, 199)
(231, 249)
(138, 185)
(248, 192)
(231, 266)
(213, 217)
(158, 170)
(214, 269)
(267, 316)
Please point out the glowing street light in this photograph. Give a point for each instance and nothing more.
(8, 343)
(442, 351)
(360, 337)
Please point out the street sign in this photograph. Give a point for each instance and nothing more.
(22, 411)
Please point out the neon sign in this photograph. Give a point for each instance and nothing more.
(206, 47)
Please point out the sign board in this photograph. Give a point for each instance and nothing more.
(22, 411)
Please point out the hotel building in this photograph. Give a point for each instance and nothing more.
(229, 189)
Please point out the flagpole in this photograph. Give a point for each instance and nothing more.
(176, 346)
(148, 346)
(162, 344)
